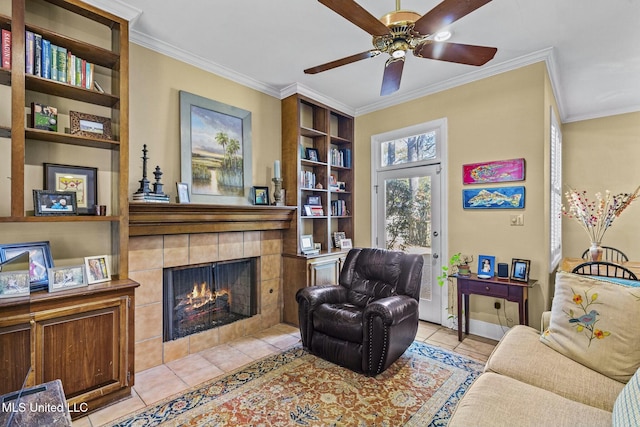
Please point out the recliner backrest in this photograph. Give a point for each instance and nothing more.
(371, 274)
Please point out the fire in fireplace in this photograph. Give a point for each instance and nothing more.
(201, 297)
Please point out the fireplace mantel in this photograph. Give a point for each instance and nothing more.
(149, 219)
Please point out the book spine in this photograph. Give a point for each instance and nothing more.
(70, 74)
(29, 51)
(83, 69)
(62, 64)
(54, 62)
(37, 56)
(89, 82)
(78, 72)
(46, 59)
(6, 49)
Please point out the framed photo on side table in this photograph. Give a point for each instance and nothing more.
(82, 180)
(183, 192)
(97, 269)
(520, 270)
(486, 266)
(61, 278)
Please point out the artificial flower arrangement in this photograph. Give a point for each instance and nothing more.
(596, 216)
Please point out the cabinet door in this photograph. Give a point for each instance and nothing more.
(85, 346)
(325, 272)
(15, 353)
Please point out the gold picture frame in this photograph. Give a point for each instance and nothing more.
(90, 126)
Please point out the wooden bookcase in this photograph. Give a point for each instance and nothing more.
(102, 39)
(307, 124)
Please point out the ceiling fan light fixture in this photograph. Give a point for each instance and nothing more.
(398, 53)
(442, 36)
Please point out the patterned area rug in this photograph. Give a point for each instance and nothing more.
(296, 388)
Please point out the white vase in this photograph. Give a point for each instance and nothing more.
(595, 251)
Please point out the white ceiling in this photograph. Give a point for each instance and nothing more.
(591, 48)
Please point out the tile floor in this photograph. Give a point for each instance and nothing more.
(163, 381)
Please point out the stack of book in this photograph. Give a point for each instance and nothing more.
(49, 61)
(5, 41)
(151, 198)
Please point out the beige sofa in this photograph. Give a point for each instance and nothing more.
(528, 382)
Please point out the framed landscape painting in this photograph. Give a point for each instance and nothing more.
(495, 171)
(215, 141)
(493, 198)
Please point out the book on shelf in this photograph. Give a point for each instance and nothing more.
(89, 72)
(151, 198)
(37, 55)
(307, 179)
(44, 117)
(62, 64)
(97, 86)
(346, 156)
(29, 51)
(6, 49)
(54, 63)
(46, 59)
(71, 66)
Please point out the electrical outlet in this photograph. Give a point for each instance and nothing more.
(517, 219)
(496, 305)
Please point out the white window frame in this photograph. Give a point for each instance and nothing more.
(555, 208)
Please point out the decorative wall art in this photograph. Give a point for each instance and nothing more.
(493, 198)
(215, 141)
(495, 171)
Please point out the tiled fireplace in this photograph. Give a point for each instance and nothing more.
(150, 255)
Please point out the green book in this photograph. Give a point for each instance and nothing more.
(62, 64)
(54, 62)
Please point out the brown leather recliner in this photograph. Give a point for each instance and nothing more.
(367, 321)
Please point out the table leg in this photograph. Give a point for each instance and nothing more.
(460, 296)
(466, 313)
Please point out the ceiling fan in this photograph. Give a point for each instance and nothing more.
(402, 30)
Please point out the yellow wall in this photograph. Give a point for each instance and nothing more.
(501, 117)
(154, 83)
(599, 155)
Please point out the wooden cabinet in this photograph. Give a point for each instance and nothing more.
(318, 169)
(301, 271)
(82, 337)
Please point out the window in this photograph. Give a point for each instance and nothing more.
(409, 149)
(555, 211)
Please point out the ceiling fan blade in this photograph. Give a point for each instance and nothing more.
(455, 52)
(445, 13)
(342, 61)
(354, 13)
(392, 76)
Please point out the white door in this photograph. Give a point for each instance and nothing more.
(408, 219)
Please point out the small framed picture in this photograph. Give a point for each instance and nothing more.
(313, 200)
(82, 180)
(346, 244)
(260, 195)
(337, 237)
(90, 126)
(312, 154)
(307, 210)
(307, 246)
(14, 284)
(54, 203)
(520, 270)
(97, 269)
(183, 192)
(61, 278)
(486, 266)
(39, 260)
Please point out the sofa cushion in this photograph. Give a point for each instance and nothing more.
(522, 356)
(626, 411)
(594, 322)
(497, 400)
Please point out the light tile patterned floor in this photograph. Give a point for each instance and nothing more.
(166, 380)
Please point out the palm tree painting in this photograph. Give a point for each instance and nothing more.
(217, 163)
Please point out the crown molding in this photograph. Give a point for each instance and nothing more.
(604, 113)
(118, 8)
(181, 55)
(316, 96)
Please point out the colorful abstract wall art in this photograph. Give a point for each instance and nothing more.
(495, 171)
(493, 198)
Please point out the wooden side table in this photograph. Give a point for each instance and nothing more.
(510, 290)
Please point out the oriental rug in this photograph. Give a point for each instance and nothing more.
(295, 388)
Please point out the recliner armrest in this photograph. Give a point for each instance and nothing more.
(394, 309)
(316, 295)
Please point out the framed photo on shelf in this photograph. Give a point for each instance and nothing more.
(215, 150)
(346, 244)
(44, 117)
(486, 266)
(61, 278)
(307, 210)
(90, 126)
(520, 269)
(183, 192)
(82, 180)
(307, 246)
(260, 195)
(54, 203)
(338, 236)
(40, 260)
(97, 269)
(312, 154)
(313, 200)
(14, 284)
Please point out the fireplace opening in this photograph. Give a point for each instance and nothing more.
(206, 296)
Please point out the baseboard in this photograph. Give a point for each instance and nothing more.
(487, 330)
